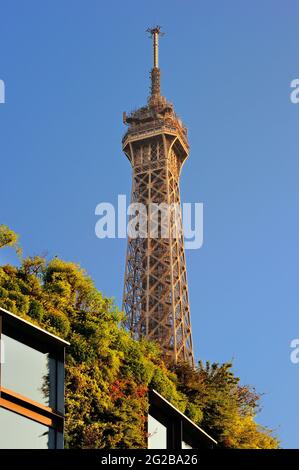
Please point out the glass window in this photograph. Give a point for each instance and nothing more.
(28, 372)
(157, 434)
(18, 432)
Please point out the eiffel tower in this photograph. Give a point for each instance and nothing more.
(155, 296)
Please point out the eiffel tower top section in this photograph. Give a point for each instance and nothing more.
(158, 116)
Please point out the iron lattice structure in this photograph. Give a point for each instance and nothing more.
(155, 289)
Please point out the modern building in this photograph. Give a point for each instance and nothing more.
(31, 385)
(155, 289)
(168, 428)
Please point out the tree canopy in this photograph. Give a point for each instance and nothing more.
(9, 238)
(108, 373)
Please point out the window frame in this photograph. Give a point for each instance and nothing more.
(179, 428)
(22, 331)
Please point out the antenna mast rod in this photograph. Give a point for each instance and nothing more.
(155, 33)
(155, 87)
(156, 47)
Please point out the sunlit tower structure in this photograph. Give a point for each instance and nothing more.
(155, 296)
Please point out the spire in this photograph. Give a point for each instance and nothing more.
(155, 72)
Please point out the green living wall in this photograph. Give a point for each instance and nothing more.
(108, 374)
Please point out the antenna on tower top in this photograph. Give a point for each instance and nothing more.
(155, 33)
(155, 74)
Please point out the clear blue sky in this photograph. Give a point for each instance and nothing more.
(71, 67)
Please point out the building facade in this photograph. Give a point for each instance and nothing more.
(31, 385)
(168, 428)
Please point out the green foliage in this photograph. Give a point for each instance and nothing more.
(56, 321)
(227, 409)
(9, 238)
(108, 374)
(36, 310)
